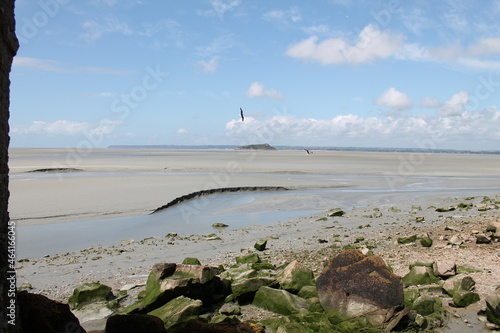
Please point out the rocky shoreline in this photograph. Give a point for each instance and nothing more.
(456, 227)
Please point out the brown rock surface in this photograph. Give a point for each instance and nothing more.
(355, 285)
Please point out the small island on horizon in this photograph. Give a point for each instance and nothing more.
(261, 146)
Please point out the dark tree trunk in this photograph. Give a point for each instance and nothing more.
(8, 48)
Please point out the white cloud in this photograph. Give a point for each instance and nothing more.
(284, 16)
(55, 66)
(211, 65)
(371, 44)
(68, 128)
(485, 47)
(429, 102)
(455, 106)
(394, 99)
(94, 30)
(220, 7)
(423, 131)
(257, 89)
(182, 131)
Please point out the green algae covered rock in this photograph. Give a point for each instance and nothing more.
(89, 293)
(279, 301)
(251, 258)
(493, 308)
(178, 311)
(419, 275)
(407, 240)
(191, 261)
(295, 276)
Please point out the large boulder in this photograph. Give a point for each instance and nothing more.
(38, 313)
(295, 276)
(167, 281)
(178, 311)
(444, 269)
(134, 323)
(354, 285)
(279, 301)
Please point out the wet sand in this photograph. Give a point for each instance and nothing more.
(125, 182)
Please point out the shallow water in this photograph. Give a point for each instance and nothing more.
(237, 210)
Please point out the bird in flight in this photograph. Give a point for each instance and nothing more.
(241, 114)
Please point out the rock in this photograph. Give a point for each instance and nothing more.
(88, 293)
(225, 319)
(493, 308)
(134, 323)
(444, 268)
(230, 309)
(279, 301)
(445, 209)
(407, 240)
(295, 276)
(493, 227)
(426, 241)
(220, 225)
(197, 326)
(464, 298)
(167, 281)
(419, 219)
(246, 288)
(308, 292)
(482, 239)
(419, 275)
(336, 212)
(355, 285)
(457, 283)
(260, 245)
(426, 305)
(191, 261)
(178, 311)
(38, 313)
(455, 240)
(249, 258)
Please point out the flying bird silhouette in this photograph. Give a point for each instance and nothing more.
(241, 114)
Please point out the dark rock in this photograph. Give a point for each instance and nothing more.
(134, 323)
(407, 240)
(356, 285)
(426, 241)
(336, 212)
(40, 314)
(260, 245)
(482, 239)
(197, 326)
(493, 308)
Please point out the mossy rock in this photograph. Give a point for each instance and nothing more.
(419, 275)
(279, 301)
(248, 259)
(426, 241)
(178, 311)
(445, 209)
(260, 245)
(410, 294)
(295, 276)
(493, 309)
(425, 305)
(407, 240)
(89, 293)
(219, 225)
(246, 288)
(464, 298)
(191, 261)
(308, 292)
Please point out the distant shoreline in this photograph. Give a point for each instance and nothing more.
(312, 148)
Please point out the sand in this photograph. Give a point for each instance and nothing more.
(113, 183)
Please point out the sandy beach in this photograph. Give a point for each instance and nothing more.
(110, 184)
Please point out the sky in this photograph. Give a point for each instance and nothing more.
(360, 73)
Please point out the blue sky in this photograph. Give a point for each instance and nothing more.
(362, 73)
